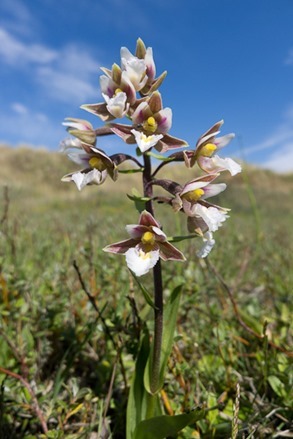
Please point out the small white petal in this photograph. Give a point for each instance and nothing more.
(81, 179)
(139, 262)
(209, 242)
(218, 164)
(80, 157)
(69, 143)
(213, 189)
(212, 216)
(227, 164)
(125, 55)
(159, 232)
(220, 142)
(135, 69)
(117, 105)
(150, 64)
(146, 142)
(107, 85)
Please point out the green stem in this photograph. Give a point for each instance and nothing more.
(158, 288)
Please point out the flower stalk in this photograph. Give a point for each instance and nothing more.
(158, 285)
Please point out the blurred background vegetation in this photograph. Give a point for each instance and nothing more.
(69, 332)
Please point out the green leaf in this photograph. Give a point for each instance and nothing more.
(160, 427)
(144, 291)
(130, 171)
(140, 403)
(181, 238)
(169, 325)
(139, 201)
(277, 385)
(136, 393)
(159, 157)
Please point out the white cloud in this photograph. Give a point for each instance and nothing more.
(278, 146)
(281, 160)
(19, 108)
(15, 52)
(65, 87)
(16, 17)
(69, 74)
(69, 78)
(31, 126)
(289, 59)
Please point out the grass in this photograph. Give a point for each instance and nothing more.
(59, 352)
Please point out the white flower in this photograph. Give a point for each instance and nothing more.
(146, 142)
(117, 105)
(212, 216)
(218, 164)
(135, 68)
(81, 179)
(209, 242)
(140, 262)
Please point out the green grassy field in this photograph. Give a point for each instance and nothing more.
(59, 365)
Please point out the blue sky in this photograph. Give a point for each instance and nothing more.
(230, 59)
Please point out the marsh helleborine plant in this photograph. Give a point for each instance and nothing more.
(130, 91)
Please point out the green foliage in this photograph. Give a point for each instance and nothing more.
(52, 337)
(169, 325)
(159, 427)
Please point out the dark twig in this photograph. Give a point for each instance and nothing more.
(107, 330)
(237, 314)
(110, 391)
(36, 406)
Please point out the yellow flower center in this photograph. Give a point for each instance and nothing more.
(150, 124)
(118, 90)
(208, 149)
(97, 163)
(193, 195)
(148, 239)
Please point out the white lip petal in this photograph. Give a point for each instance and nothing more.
(81, 179)
(117, 105)
(146, 142)
(218, 164)
(212, 216)
(227, 164)
(139, 262)
(209, 243)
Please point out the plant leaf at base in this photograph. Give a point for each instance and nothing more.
(161, 427)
